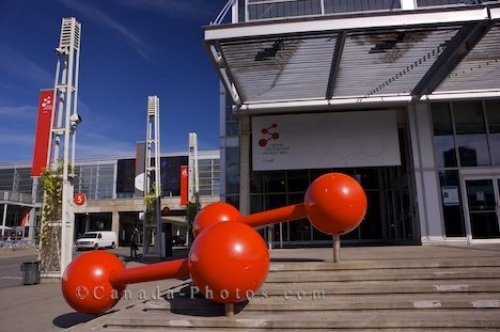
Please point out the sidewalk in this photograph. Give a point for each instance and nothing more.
(42, 307)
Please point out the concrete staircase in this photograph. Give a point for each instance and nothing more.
(442, 294)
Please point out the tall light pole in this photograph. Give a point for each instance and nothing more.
(193, 177)
(153, 152)
(64, 123)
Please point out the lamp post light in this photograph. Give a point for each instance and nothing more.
(65, 120)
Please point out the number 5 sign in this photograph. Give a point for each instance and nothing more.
(80, 199)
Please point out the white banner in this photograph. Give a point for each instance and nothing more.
(325, 140)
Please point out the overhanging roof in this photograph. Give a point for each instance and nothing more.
(351, 60)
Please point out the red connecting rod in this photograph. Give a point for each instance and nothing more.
(172, 269)
(282, 214)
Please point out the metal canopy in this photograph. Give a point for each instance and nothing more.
(353, 60)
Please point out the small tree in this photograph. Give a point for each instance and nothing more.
(50, 232)
(150, 201)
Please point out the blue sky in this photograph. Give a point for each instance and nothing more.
(129, 49)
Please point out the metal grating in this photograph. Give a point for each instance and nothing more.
(480, 69)
(281, 68)
(351, 60)
(384, 63)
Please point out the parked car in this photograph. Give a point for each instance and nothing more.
(96, 240)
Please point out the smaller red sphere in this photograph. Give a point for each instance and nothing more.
(229, 262)
(85, 283)
(213, 214)
(335, 203)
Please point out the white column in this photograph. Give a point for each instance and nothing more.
(408, 4)
(4, 219)
(426, 180)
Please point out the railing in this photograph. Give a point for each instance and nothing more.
(14, 197)
(272, 9)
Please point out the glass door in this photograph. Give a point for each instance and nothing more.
(483, 207)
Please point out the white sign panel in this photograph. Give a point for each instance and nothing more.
(325, 140)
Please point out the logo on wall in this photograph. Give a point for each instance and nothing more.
(270, 133)
(47, 103)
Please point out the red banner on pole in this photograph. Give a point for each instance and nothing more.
(40, 152)
(184, 185)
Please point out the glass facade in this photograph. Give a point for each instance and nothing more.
(16, 179)
(466, 138)
(268, 9)
(95, 180)
(114, 178)
(250, 10)
(388, 217)
(209, 176)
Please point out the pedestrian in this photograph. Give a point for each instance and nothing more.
(134, 243)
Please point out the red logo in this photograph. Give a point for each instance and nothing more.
(270, 134)
(80, 199)
(47, 103)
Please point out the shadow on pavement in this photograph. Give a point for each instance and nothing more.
(69, 320)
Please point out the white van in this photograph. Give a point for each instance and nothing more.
(96, 240)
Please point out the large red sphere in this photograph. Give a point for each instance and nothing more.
(85, 282)
(335, 203)
(213, 214)
(229, 262)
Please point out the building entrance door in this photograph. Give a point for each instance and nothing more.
(483, 207)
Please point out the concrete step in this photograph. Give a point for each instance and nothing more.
(384, 274)
(383, 295)
(387, 264)
(309, 289)
(355, 320)
(344, 303)
(208, 329)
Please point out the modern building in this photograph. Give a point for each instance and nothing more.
(109, 185)
(402, 95)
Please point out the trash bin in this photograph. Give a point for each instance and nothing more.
(31, 273)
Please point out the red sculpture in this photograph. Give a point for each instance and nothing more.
(228, 260)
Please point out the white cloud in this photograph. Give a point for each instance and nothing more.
(92, 145)
(102, 18)
(19, 112)
(19, 66)
(174, 8)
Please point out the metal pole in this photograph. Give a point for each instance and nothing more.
(67, 190)
(229, 309)
(336, 248)
(4, 219)
(159, 248)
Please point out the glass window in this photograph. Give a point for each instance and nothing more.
(256, 185)
(493, 117)
(298, 181)
(444, 143)
(234, 200)
(126, 176)
(274, 182)
(428, 3)
(284, 9)
(342, 6)
(233, 170)
(471, 134)
(452, 204)
(370, 227)
(231, 121)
